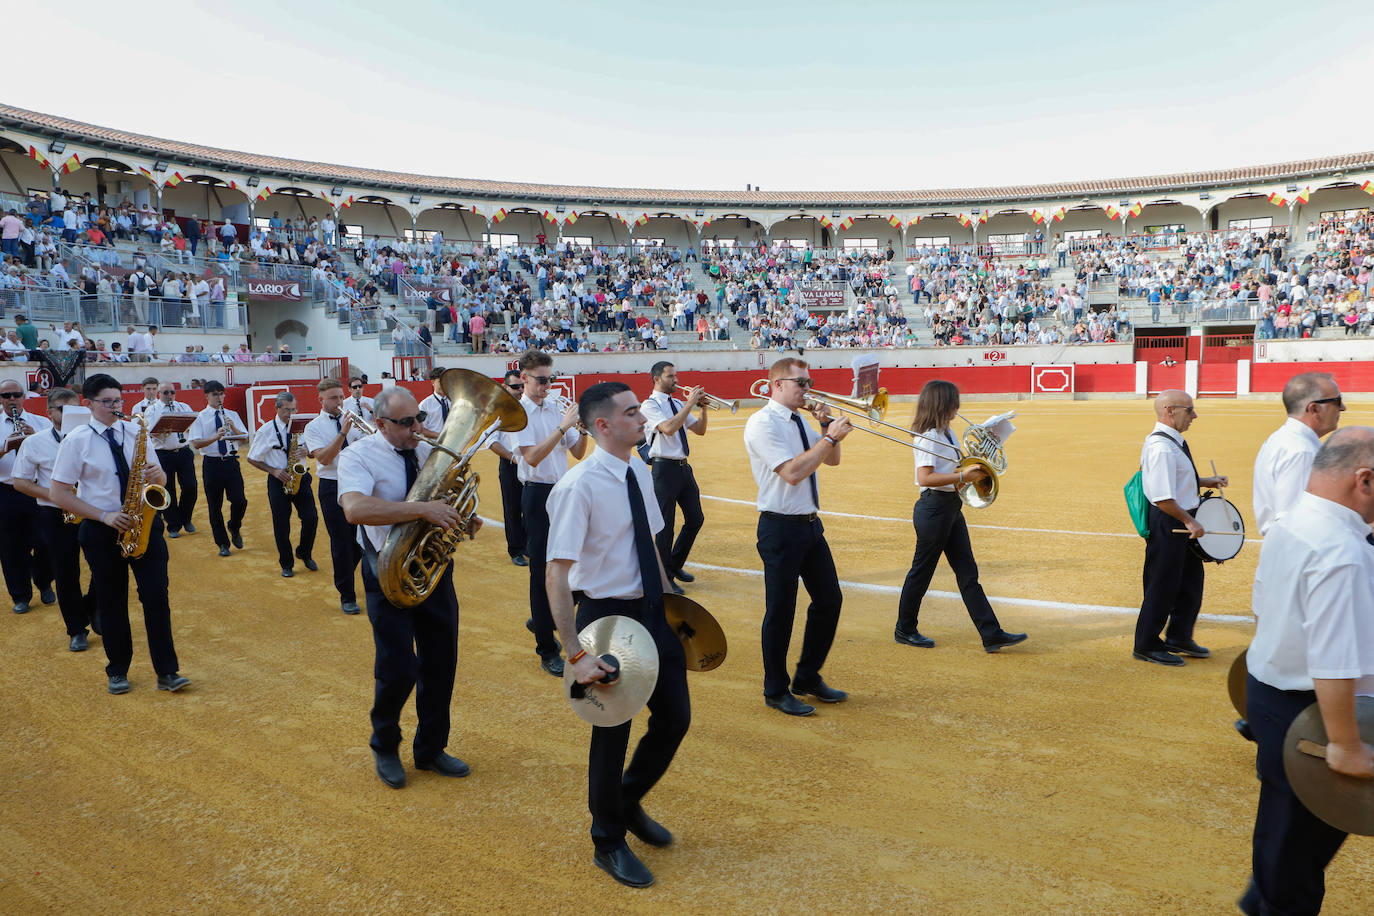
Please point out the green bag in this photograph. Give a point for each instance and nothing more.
(1137, 505)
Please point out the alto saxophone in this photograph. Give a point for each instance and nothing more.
(294, 466)
(142, 501)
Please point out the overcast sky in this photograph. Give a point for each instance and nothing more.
(848, 95)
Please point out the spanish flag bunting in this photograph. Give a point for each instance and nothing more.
(825, 221)
(894, 222)
(263, 193)
(1367, 187)
(846, 222)
(37, 156)
(1059, 214)
(1037, 217)
(1304, 195)
(706, 222)
(233, 185)
(346, 202)
(1278, 199)
(1112, 211)
(499, 215)
(643, 218)
(550, 218)
(72, 164)
(570, 218)
(1136, 208)
(982, 217)
(173, 180)
(964, 220)
(146, 173)
(914, 220)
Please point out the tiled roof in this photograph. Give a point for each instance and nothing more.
(194, 154)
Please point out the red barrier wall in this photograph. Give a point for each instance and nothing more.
(1350, 376)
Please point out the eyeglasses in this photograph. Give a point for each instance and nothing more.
(12, 395)
(1179, 407)
(407, 422)
(356, 387)
(799, 382)
(1337, 400)
(514, 386)
(111, 403)
(543, 379)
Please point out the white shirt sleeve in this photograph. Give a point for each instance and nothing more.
(569, 514)
(263, 440)
(1335, 597)
(769, 444)
(354, 474)
(1157, 470)
(654, 414)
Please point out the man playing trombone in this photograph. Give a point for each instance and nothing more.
(674, 483)
(784, 456)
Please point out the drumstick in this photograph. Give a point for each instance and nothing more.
(1236, 534)
(1214, 470)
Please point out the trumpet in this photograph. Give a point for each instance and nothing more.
(713, 402)
(564, 403)
(358, 421)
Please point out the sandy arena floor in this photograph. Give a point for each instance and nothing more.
(1061, 776)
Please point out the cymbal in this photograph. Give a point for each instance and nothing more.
(1344, 802)
(1235, 682)
(622, 641)
(703, 640)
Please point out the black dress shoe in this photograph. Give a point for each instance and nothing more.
(1159, 657)
(624, 866)
(172, 682)
(446, 765)
(646, 828)
(1189, 648)
(820, 690)
(1243, 729)
(683, 575)
(287, 573)
(310, 564)
(913, 638)
(174, 534)
(237, 540)
(119, 684)
(1002, 640)
(21, 607)
(224, 551)
(350, 607)
(389, 769)
(789, 704)
(520, 560)
(553, 664)
(677, 589)
(189, 528)
(529, 625)
(79, 643)
(48, 595)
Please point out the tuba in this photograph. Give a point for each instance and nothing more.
(142, 501)
(416, 553)
(294, 466)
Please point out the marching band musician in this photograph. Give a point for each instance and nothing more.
(674, 482)
(149, 398)
(324, 438)
(549, 435)
(219, 466)
(436, 406)
(174, 454)
(503, 444)
(417, 647)
(271, 453)
(97, 459)
(596, 511)
(23, 555)
(784, 456)
(1313, 403)
(32, 474)
(1173, 573)
(1314, 642)
(938, 518)
(356, 402)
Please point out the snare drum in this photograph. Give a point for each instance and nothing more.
(1226, 530)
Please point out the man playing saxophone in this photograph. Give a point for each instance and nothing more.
(417, 647)
(277, 453)
(91, 478)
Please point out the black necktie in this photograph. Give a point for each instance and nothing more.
(443, 410)
(1189, 452)
(681, 430)
(806, 444)
(644, 542)
(412, 465)
(121, 463)
(219, 424)
(1369, 538)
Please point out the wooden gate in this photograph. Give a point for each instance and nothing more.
(1164, 358)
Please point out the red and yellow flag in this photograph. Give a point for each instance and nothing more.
(894, 222)
(1136, 208)
(1305, 195)
(72, 164)
(1059, 214)
(825, 221)
(1037, 217)
(643, 218)
(570, 219)
(914, 220)
(1367, 187)
(706, 222)
(263, 193)
(147, 173)
(1278, 199)
(499, 215)
(37, 156)
(346, 202)
(846, 222)
(550, 217)
(1112, 211)
(982, 217)
(964, 220)
(173, 180)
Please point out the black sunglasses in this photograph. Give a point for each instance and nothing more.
(543, 379)
(407, 422)
(11, 395)
(1337, 400)
(355, 387)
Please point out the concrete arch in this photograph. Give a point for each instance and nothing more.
(801, 226)
(675, 231)
(870, 226)
(735, 228)
(456, 221)
(117, 181)
(936, 226)
(373, 214)
(292, 203)
(207, 196)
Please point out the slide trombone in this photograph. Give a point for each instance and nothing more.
(712, 402)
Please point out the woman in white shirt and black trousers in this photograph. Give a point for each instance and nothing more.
(940, 527)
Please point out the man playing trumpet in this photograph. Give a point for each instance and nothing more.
(668, 421)
(325, 437)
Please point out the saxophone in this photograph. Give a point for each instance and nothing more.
(415, 554)
(142, 501)
(294, 466)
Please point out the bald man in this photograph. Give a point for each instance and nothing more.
(1173, 572)
(1313, 403)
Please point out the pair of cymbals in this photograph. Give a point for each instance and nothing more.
(1344, 802)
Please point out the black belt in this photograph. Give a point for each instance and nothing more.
(682, 461)
(536, 483)
(233, 457)
(808, 517)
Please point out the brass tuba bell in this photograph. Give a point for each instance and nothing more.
(415, 554)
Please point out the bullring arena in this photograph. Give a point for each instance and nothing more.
(1059, 775)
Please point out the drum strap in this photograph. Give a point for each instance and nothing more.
(1187, 452)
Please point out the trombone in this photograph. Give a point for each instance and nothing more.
(713, 402)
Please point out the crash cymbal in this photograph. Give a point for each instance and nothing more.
(623, 642)
(703, 640)
(1344, 802)
(1235, 683)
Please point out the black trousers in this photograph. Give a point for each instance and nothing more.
(1292, 846)
(1173, 581)
(793, 547)
(675, 485)
(511, 510)
(534, 500)
(23, 555)
(344, 552)
(110, 585)
(612, 788)
(417, 649)
(182, 488)
(64, 552)
(303, 500)
(938, 518)
(223, 478)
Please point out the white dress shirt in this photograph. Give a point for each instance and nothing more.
(1314, 599)
(541, 421)
(319, 433)
(360, 405)
(373, 468)
(590, 520)
(507, 441)
(270, 443)
(8, 428)
(938, 459)
(168, 442)
(205, 427)
(143, 406)
(434, 409)
(34, 460)
(1167, 473)
(84, 460)
(1282, 467)
(771, 439)
(657, 409)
